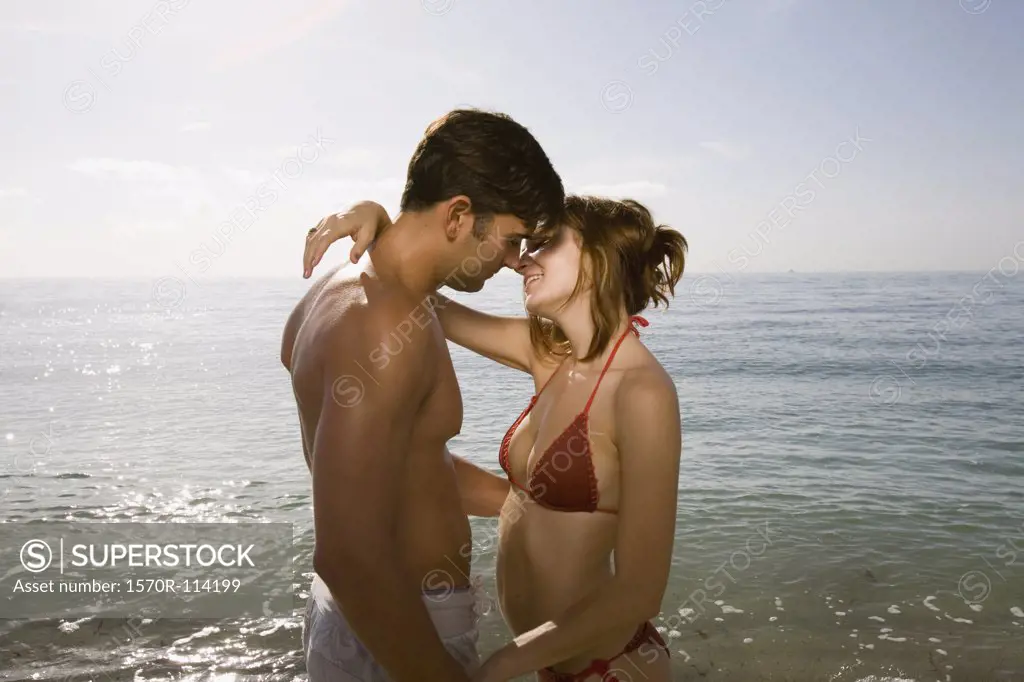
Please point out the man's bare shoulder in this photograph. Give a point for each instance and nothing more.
(305, 319)
(354, 316)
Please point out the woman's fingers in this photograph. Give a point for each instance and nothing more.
(308, 254)
(362, 239)
(354, 223)
(318, 247)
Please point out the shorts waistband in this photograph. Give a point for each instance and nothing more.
(453, 611)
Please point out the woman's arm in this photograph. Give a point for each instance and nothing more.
(482, 492)
(500, 338)
(649, 444)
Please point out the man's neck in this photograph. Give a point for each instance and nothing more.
(404, 253)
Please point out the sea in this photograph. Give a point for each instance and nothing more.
(851, 497)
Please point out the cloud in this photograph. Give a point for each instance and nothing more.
(196, 126)
(11, 192)
(726, 149)
(358, 187)
(134, 170)
(43, 28)
(619, 166)
(153, 184)
(64, 17)
(355, 159)
(318, 197)
(627, 190)
(135, 229)
(282, 34)
(243, 176)
(777, 6)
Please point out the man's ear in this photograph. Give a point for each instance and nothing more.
(458, 216)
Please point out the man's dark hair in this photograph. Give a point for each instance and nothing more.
(491, 159)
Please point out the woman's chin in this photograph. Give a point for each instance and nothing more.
(533, 305)
(542, 306)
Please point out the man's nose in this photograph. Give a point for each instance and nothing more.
(512, 260)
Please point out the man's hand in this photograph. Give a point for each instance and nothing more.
(363, 222)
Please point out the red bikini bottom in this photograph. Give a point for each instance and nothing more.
(645, 634)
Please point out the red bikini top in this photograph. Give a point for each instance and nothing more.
(563, 479)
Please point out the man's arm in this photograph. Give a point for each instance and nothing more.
(649, 445)
(482, 493)
(359, 459)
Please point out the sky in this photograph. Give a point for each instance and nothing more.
(202, 139)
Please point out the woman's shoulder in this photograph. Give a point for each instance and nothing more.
(643, 383)
(647, 411)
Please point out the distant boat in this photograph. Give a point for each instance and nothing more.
(791, 272)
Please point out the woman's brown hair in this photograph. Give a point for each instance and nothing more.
(628, 260)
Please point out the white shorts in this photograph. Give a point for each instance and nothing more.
(334, 654)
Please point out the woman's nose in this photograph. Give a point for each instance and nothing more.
(523, 260)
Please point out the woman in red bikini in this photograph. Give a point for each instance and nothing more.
(587, 527)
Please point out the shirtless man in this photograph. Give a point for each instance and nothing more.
(378, 400)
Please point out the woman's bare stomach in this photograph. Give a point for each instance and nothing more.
(547, 561)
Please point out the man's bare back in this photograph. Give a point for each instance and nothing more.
(378, 400)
